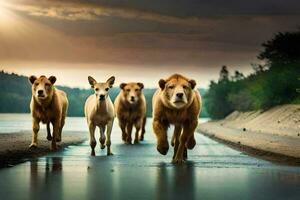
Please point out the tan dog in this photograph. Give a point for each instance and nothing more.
(99, 111)
(48, 105)
(177, 103)
(130, 106)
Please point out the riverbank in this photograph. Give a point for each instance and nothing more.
(14, 146)
(273, 134)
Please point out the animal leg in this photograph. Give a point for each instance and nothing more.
(129, 130)
(56, 126)
(160, 130)
(62, 123)
(108, 134)
(188, 130)
(35, 130)
(92, 138)
(190, 144)
(137, 126)
(102, 137)
(185, 154)
(49, 137)
(123, 128)
(143, 129)
(175, 138)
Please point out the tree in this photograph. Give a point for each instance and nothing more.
(216, 98)
(224, 74)
(274, 83)
(258, 68)
(237, 76)
(282, 49)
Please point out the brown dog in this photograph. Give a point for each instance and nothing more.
(130, 106)
(177, 103)
(48, 105)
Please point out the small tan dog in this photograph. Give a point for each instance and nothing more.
(130, 106)
(177, 103)
(99, 111)
(48, 105)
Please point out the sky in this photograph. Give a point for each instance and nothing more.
(138, 40)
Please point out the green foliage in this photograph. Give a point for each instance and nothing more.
(216, 99)
(281, 86)
(15, 95)
(282, 49)
(275, 83)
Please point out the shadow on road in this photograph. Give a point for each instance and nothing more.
(49, 183)
(177, 183)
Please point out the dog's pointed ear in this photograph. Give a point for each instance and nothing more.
(162, 83)
(52, 79)
(141, 85)
(122, 85)
(111, 81)
(193, 83)
(32, 79)
(92, 81)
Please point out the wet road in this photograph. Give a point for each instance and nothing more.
(214, 171)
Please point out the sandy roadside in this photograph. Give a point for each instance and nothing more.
(14, 146)
(273, 134)
(280, 120)
(277, 148)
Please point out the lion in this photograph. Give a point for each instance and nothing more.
(176, 102)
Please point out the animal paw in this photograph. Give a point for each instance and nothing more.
(136, 141)
(142, 138)
(124, 137)
(191, 143)
(53, 147)
(110, 154)
(102, 146)
(49, 137)
(172, 143)
(93, 152)
(163, 148)
(58, 139)
(128, 141)
(33, 146)
(178, 161)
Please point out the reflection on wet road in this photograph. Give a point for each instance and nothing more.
(214, 171)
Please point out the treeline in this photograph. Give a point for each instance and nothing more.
(15, 95)
(274, 83)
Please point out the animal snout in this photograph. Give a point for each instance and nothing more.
(132, 98)
(40, 92)
(102, 97)
(179, 95)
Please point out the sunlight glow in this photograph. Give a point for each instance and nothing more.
(6, 16)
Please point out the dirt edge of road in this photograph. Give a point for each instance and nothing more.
(14, 146)
(272, 135)
(240, 141)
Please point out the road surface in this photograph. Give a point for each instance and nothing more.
(214, 171)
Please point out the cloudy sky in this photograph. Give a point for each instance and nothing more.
(137, 40)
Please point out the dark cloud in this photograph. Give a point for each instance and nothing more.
(168, 11)
(144, 33)
(190, 8)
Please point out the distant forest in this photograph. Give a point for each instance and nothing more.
(15, 95)
(274, 83)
